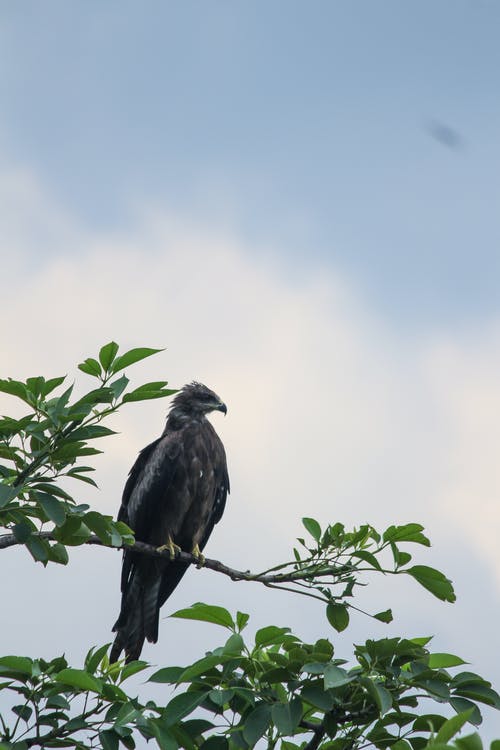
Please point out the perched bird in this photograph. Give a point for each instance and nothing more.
(175, 494)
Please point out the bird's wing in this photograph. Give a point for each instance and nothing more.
(146, 487)
(135, 471)
(221, 488)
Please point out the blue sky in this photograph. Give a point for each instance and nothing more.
(296, 199)
(305, 123)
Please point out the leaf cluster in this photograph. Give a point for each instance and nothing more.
(277, 689)
(52, 442)
(284, 690)
(332, 565)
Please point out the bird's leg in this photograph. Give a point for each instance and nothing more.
(172, 548)
(199, 557)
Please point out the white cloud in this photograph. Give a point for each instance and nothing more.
(331, 412)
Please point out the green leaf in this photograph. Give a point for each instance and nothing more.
(443, 661)
(367, 557)
(216, 742)
(51, 384)
(385, 616)
(463, 678)
(481, 693)
(202, 666)
(94, 658)
(182, 705)
(113, 693)
(314, 667)
(234, 644)
(23, 530)
(380, 694)
(241, 620)
(39, 548)
(58, 553)
(133, 356)
(21, 664)
(91, 367)
(400, 558)
(452, 726)
(336, 677)
(163, 736)
(53, 508)
(437, 688)
(99, 524)
(74, 474)
(7, 494)
(169, 675)
(16, 388)
(67, 453)
(338, 616)
(410, 532)
(58, 701)
(401, 745)
(196, 727)
(24, 712)
(313, 527)
(90, 432)
(270, 634)
(286, 716)
(221, 697)
(107, 354)
(423, 641)
(148, 391)
(256, 723)
(109, 739)
(323, 650)
(132, 668)
(206, 613)
(119, 385)
(84, 405)
(52, 489)
(35, 385)
(316, 696)
(434, 581)
(73, 532)
(128, 712)
(79, 678)
(471, 742)
(463, 704)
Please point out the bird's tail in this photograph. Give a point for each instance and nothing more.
(138, 618)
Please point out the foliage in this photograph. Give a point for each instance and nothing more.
(273, 689)
(49, 443)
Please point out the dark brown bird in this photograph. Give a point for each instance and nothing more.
(175, 494)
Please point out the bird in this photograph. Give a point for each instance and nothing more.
(175, 493)
(445, 135)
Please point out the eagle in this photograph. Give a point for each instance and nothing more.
(175, 494)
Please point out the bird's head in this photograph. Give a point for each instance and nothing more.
(195, 400)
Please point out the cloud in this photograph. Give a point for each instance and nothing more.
(332, 413)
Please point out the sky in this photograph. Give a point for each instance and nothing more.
(300, 202)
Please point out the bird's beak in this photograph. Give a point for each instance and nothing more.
(223, 408)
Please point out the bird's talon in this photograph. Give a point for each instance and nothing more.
(199, 557)
(171, 548)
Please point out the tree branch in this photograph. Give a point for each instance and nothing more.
(318, 734)
(271, 580)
